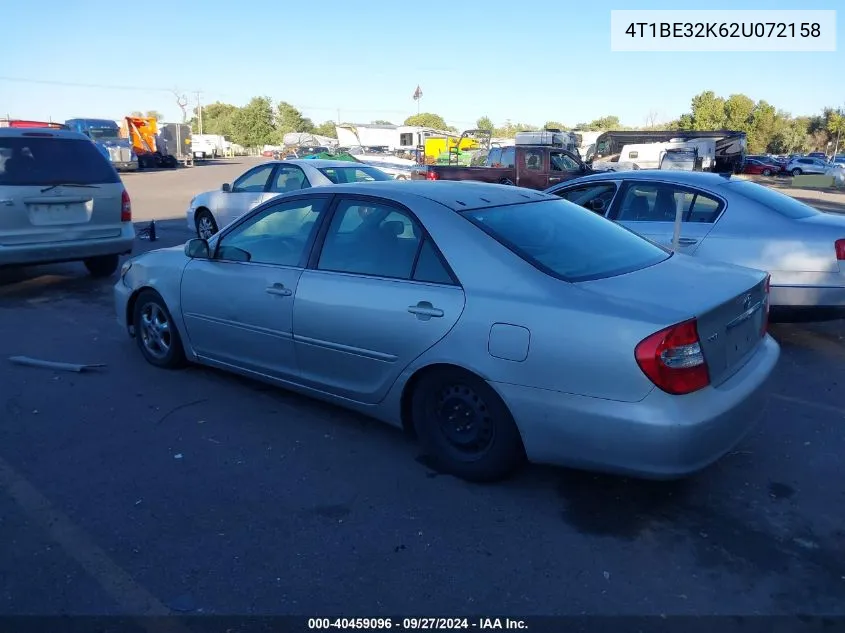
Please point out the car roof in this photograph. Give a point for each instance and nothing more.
(700, 178)
(458, 195)
(42, 132)
(321, 162)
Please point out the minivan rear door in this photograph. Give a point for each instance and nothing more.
(55, 189)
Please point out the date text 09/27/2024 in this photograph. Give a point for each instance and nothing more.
(724, 29)
(415, 623)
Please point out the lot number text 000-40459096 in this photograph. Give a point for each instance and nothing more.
(723, 31)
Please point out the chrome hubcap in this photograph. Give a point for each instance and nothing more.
(155, 330)
(205, 227)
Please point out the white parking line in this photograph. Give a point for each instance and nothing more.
(810, 404)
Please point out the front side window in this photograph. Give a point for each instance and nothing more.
(563, 162)
(279, 235)
(253, 181)
(595, 197)
(567, 241)
(508, 157)
(658, 202)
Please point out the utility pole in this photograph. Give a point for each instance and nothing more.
(199, 112)
(838, 133)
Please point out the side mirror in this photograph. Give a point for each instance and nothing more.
(226, 187)
(197, 249)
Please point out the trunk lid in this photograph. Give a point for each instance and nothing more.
(729, 303)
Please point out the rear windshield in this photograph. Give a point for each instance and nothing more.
(567, 241)
(783, 204)
(32, 160)
(340, 175)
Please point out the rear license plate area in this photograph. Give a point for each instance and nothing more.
(47, 214)
(743, 337)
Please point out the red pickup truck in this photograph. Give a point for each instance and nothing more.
(532, 166)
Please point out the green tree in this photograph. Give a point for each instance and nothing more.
(381, 122)
(764, 124)
(216, 119)
(428, 119)
(252, 125)
(607, 123)
(290, 119)
(554, 125)
(326, 128)
(738, 109)
(485, 123)
(708, 111)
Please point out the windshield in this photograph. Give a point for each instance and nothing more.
(97, 133)
(340, 175)
(47, 161)
(567, 241)
(783, 204)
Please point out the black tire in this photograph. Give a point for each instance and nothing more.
(796, 172)
(767, 172)
(203, 216)
(487, 448)
(161, 346)
(102, 266)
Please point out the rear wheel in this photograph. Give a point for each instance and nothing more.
(465, 427)
(157, 336)
(206, 226)
(796, 172)
(102, 266)
(767, 172)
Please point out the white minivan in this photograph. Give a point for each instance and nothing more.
(61, 200)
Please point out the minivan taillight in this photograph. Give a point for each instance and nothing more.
(672, 359)
(839, 246)
(432, 175)
(125, 207)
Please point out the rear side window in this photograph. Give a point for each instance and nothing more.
(39, 160)
(567, 241)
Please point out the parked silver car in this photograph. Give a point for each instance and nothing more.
(61, 200)
(497, 322)
(806, 165)
(731, 220)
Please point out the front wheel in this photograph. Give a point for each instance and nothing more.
(102, 266)
(206, 226)
(767, 172)
(796, 172)
(157, 336)
(465, 427)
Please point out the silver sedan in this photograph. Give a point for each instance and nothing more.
(495, 322)
(731, 220)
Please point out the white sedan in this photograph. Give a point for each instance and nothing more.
(212, 210)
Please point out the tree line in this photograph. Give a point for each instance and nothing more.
(263, 122)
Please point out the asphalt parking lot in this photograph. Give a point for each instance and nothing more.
(135, 490)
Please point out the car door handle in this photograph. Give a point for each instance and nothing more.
(7, 201)
(554, 178)
(687, 241)
(279, 289)
(424, 311)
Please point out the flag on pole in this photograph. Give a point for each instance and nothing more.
(418, 93)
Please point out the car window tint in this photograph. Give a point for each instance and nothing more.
(771, 199)
(289, 178)
(253, 181)
(658, 202)
(533, 160)
(567, 241)
(430, 267)
(339, 175)
(562, 162)
(277, 235)
(595, 197)
(32, 160)
(370, 238)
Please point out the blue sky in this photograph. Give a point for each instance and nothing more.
(529, 63)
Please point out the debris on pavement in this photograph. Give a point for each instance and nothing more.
(177, 456)
(49, 364)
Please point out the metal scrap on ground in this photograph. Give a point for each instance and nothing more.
(49, 364)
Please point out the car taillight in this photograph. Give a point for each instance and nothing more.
(839, 245)
(766, 305)
(125, 207)
(432, 175)
(672, 359)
